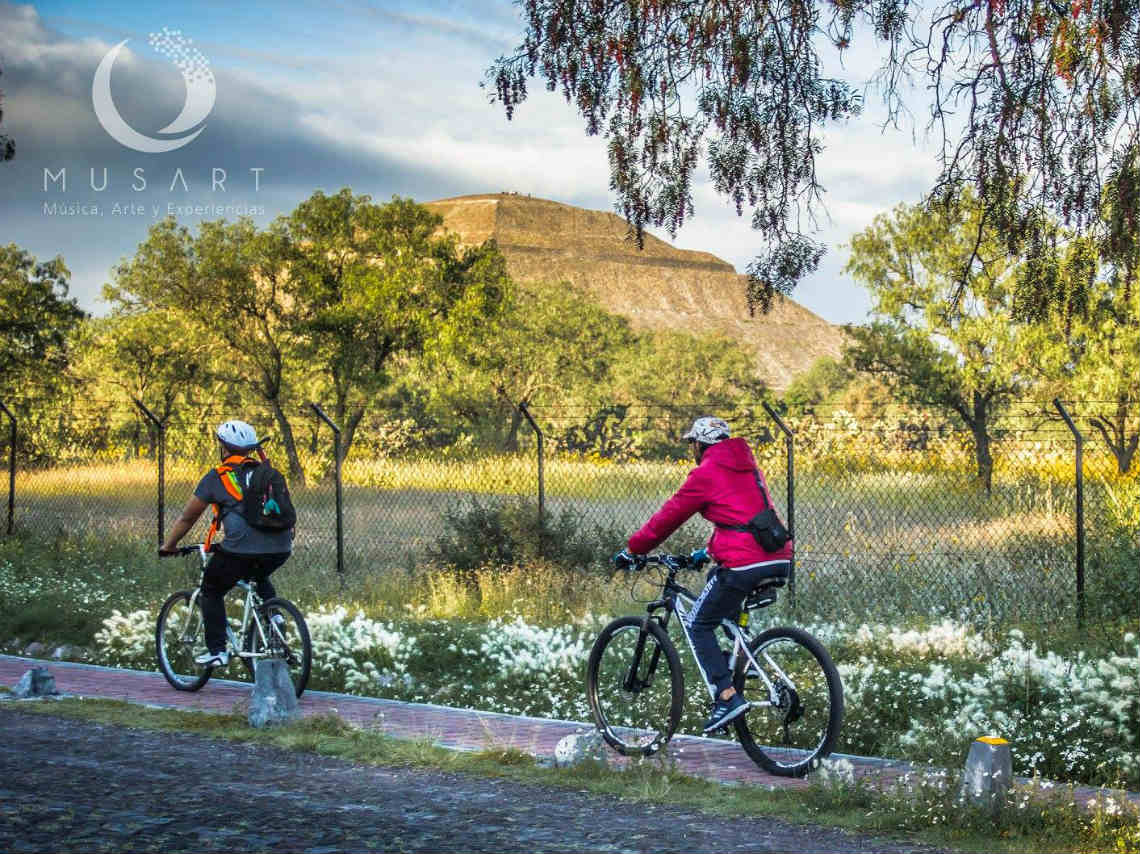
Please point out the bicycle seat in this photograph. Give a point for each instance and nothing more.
(764, 593)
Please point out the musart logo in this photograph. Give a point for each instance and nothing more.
(200, 94)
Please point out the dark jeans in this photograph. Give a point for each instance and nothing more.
(224, 570)
(722, 597)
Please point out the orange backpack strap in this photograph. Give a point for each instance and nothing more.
(213, 529)
(226, 474)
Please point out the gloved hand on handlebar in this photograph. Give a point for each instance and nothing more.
(167, 552)
(625, 560)
(699, 558)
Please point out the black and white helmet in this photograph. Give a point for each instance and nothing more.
(708, 430)
(238, 434)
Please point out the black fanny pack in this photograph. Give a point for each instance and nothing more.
(765, 527)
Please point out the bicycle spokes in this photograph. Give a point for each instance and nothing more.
(179, 637)
(636, 701)
(796, 702)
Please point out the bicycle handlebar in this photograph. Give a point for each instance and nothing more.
(669, 561)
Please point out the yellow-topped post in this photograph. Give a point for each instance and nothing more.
(989, 771)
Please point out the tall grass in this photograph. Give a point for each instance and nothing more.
(887, 531)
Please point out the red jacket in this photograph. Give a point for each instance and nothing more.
(722, 489)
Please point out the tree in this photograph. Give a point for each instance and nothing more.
(1110, 370)
(333, 291)
(1092, 356)
(37, 319)
(554, 344)
(675, 376)
(148, 356)
(1037, 103)
(230, 284)
(373, 282)
(7, 144)
(817, 385)
(966, 359)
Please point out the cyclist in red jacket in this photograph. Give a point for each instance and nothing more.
(727, 488)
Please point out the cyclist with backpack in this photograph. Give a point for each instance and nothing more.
(251, 502)
(748, 545)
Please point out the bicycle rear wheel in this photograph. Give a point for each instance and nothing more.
(286, 638)
(635, 686)
(789, 736)
(179, 635)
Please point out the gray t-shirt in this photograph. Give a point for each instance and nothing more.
(240, 538)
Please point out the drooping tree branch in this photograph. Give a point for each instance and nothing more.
(1036, 103)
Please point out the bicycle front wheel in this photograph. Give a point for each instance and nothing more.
(796, 706)
(635, 686)
(179, 636)
(283, 635)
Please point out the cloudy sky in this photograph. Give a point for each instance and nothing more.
(382, 97)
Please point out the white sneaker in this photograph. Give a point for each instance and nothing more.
(213, 659)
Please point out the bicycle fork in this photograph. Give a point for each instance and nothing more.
(632, 682)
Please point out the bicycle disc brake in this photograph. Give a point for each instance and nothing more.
(790, 705)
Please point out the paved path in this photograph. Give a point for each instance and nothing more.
(462, 729)
(170, 792)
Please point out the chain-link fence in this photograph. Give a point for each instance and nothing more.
(894, 514)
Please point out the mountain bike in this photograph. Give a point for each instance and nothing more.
(636, 689)
(270, 629)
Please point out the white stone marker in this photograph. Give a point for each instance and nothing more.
(989, 771)
(274, 699)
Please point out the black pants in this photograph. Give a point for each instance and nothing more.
(224, 570)
(722, 597)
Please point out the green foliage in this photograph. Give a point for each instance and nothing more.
(1033, 816)
(938, 341)
(825, 379)
(1112, 570)
(373, 282)
(509, 532)
(552, 343)
(60, 589)
(1092, 352)
(1051, 133)
(322, 301)
(36, 322)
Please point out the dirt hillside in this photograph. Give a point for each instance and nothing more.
(659, 287)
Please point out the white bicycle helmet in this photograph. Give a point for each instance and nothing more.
(708, 430)
(238, 434)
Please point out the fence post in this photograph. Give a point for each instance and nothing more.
(320, 413)
(541, 453)
(11, 469)
(161, 427)
(542, 484)
(789, 442)
(1080, 473)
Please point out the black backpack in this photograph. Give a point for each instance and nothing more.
(265, 502)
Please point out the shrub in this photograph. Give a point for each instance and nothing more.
(510, 532)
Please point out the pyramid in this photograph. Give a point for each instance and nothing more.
(657, 287)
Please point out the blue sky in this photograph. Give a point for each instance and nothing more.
(382, 97)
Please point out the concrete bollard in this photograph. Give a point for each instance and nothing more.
(989, 772)
(575, 749)
(274, 699)
(37, 682)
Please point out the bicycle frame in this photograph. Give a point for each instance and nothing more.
(679, 600)
(249, 612)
